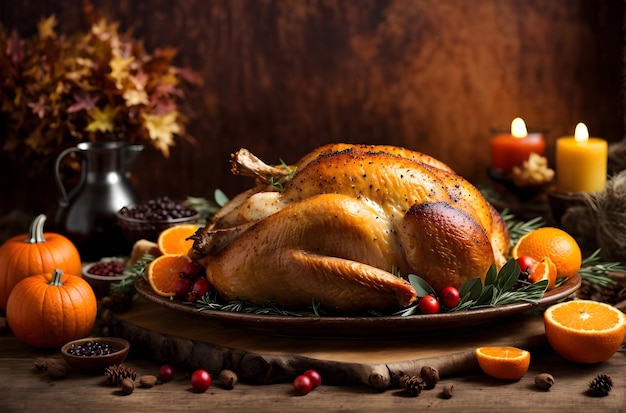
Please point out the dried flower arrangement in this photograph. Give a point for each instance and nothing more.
(99, 85)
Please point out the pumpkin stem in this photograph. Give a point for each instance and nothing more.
(35, 234)
(57, 276)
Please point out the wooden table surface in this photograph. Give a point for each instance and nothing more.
(24, 388)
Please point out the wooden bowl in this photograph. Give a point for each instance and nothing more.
(93, 363)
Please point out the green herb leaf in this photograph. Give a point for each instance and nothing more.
(127, 284)
(594, 271)
(421, 287)
(518, 229)
(508, 275)
(211, 302)
(487, 296)
(220, 197)
(531, 293)
(492, 274)
(471, 289)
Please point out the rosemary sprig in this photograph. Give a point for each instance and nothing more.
(211, 302)
(596, 272)
(278, 183)
(126, 284)
(205, 207)
(518, 229)
(489, 192)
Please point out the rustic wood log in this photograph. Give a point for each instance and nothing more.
(197, 342)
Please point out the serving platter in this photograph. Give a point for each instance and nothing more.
(361, 326)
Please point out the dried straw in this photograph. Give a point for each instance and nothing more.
(601, 222)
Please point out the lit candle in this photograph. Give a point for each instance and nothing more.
(581, 162)
(509, 150)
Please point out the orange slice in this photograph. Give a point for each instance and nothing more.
(507, 363)
(173, 240)
(164, 271)
(585, 331)
(545, 270)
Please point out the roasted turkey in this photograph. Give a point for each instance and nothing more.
(344, 225)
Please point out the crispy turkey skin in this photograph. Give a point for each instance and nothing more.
(342, 224)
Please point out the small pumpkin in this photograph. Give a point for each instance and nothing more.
(48, 310)
(35, 253)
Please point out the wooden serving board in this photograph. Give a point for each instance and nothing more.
(196, 341)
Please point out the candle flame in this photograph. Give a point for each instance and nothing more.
(518, 128)
(581, 135)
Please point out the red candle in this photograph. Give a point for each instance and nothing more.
(509, 150)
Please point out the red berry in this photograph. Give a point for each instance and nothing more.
(191, 296)
(166, 372)
(200, 380)
(201, 287)
(191, 269)
(428, 304)
(315, 378)
(302, 384)
(450, 296)
(183, 286)
(527, 264)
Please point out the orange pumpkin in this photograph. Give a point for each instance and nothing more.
(48, 310)
(35, 253)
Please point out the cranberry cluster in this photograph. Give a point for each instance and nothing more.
(109, 268)
(159, 209)
(191, 285)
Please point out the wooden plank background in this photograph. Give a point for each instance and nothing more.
(282, 77)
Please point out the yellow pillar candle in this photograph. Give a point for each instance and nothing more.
(581, 162)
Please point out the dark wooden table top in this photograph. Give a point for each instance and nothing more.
(24, 388)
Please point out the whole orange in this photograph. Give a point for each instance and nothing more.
(585, 331)
(554, 243)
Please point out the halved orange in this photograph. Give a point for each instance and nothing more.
(545, 270)
(173, 240)
(585, 331)
(164, 271)
(507, 363)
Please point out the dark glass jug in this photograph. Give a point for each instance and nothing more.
(87, 214)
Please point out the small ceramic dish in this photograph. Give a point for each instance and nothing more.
(95, 363)
(101, 283)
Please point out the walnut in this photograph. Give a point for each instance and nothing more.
(56, 370)
(430, 375)
(41, 363)
(148, 380)
(448, 391)
(128, 385)
(228, 378)
(544, 381)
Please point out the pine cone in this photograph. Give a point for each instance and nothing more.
(413, 384)
(601, 385)
(117, 302)
(115, 374)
